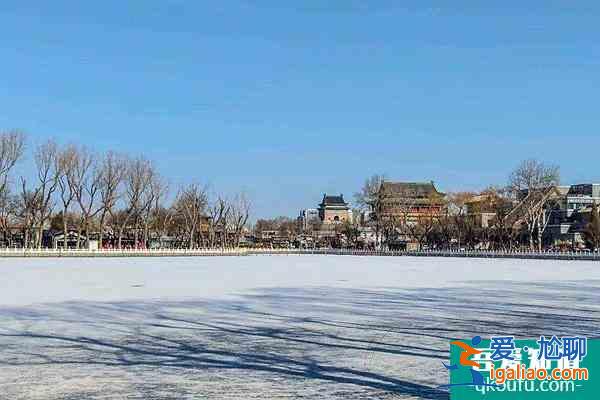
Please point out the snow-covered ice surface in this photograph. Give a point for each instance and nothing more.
(269, 327)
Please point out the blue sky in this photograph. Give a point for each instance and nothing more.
(289, 101)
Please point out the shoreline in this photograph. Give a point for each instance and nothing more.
(127, 253)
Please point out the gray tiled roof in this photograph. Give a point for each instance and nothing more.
(412, 189)
(333, 200)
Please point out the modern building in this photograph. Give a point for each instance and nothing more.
(409, 201)
(308, 216)
(333, 209)
(571, 213)
(578, 197)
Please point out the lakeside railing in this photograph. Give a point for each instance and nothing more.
(517, 254)
(59, 252)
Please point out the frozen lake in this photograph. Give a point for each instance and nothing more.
(272, 327)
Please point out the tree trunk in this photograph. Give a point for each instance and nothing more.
(40, 234)
(531, 228)
(65, 230)
(200, 238)
(136, 235)
(121, 230)
(79, 230)
(87, 233)
(146, 229)
(101, 237)
(120, 242)
(191, 245)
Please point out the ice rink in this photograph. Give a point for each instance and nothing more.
(270, 327)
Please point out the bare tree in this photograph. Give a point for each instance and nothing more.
(420, 229)
(9, 211)
(351, 232)
(191, 205)
(66, 160)
(152, 202)
(27, 210)
(86, 186)
(533, 175)
(112, 172)
(371, 199)
(591, 232)
(12, 146)
(218, 216)
(500, 232)
(48, 173)
(534, 183)
(138, 180)
(165, 221)
(238, 217)
(456, 221)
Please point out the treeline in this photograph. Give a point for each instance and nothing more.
(118, 199)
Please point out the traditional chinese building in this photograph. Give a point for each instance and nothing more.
(482, 209)
(409, 201)
(334, 209)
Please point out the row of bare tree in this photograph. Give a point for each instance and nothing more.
(115, 197)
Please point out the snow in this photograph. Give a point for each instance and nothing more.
(269, 326)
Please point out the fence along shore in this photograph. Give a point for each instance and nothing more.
(515, 254)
